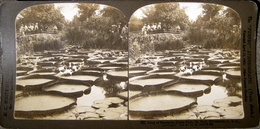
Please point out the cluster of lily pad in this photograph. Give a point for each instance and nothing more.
(190, 72)
(111, 108)
(71, 74)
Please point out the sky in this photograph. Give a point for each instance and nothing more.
(69, 10)
(193, 10)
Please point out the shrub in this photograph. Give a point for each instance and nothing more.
(170, 44)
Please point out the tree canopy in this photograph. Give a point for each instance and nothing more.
(168, 13)
(217, 27)
(97, 27)
(44, 15)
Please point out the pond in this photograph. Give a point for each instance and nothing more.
(217, 92)
(97, 93)
(77, 80)
(148, 82)
(220, 77)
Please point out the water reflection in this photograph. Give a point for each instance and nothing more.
(97, 93)
(217, 92)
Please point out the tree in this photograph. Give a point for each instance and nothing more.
(116, 15)
(169, 14)
(211, 10)
(44, 15)
(93, 27)
(86, 11)
(136, 23)
(216, 27)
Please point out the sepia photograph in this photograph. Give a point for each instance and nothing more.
(71, 62)
(184, 62)
(129, 64)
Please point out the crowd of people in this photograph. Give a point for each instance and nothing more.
(36, 28)
(152, 28)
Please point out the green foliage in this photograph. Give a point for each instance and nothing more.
(170, 14)
(116, 15)
(170, 44)
(44, 15)
(211, 10)
(135, 23)
(140, 45)
(86, 11)
(97, 27)
(30, 44)
(217, 27)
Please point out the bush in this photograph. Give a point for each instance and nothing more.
(170, 44)
(29, 44)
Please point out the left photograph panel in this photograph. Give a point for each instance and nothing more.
(71, 62)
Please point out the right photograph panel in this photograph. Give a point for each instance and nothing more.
(184, 62)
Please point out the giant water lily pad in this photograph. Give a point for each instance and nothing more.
(39, 81)
(143, 82)
(84, 109)
(201, 77)
(234, 112)
(72, 88)
(232, 115)
(211, 69)
(115, 100)
(199, 56)
(151, 82)
(22, 70)
(105, 103)
(118, 75)
(178, 53)
(104, 60)
(160, 102)
(133, 93)
(42, 104)
(67, 88)
(111, 116)
(179, 116)
(206, 76)
(100, 105)
(47, 63)
(35, 81)
(88, 116)
(109, 100)
(228, 101)
(162, 72)
(218, 60)
(209, 115)
(100, 61)
(119, 110)
(136, 71)
(80, 76)
(225, 67)
(167, 63)
(43, 72)
(194, 61)
(189, 87)
(233, 74)
(111, 66)
(237, 61)
(91, 70)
